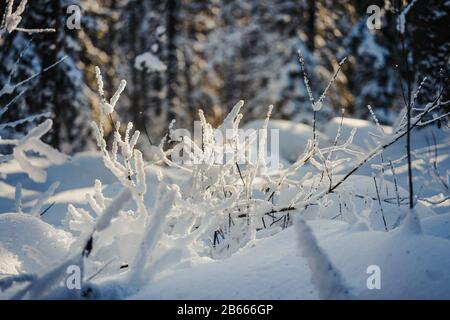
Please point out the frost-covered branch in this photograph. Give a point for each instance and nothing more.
(388, 141)
(32, 143)
(12, 18)
(129, 170)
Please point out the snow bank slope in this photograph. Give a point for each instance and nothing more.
(293, 136)
(30, 244)
(412, 267)
(362, 137)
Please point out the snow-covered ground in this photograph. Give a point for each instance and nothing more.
(412, 267)
(413, 257)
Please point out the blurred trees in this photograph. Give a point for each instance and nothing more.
(430, 43)
(58, 90)
(218, 52)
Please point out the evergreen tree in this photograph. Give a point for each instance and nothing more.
(142, 30)
(253, 51)
(428, 24)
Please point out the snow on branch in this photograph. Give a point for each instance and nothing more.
(43, 198)
(32, 143)
(153, 232)
(387, 141)
(11, 19)
(401, 19)
(148, 62)
(129, 170)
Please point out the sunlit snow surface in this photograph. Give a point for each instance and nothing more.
(412, 265)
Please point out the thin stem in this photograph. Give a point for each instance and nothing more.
(408, 116)
(395, 181)
(379, 203)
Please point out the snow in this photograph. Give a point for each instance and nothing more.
(401, 23)
(29, 245)
(369, 47)
(261, 271)
(148, 62)
(438, 226)
(108, 108)
(364, 128)
(154, 230)
(413, 264)
(32, 142)
(253, 273)
(12, 19)
(333, 209)
(326, 278)
(293, 136)
(412, 268)
(142, 230)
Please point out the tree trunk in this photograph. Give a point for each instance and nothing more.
(172, 66)
(311, 23)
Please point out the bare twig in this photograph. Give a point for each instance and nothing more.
(379, 203)
(395, 182)
(48, 208)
